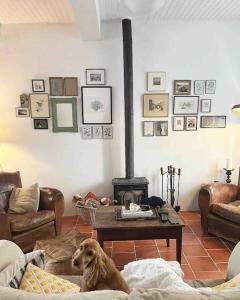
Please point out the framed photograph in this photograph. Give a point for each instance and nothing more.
(148, 128)
(206, 105)
(185, 105)
(97, 132)
(86, 132)
(38, 85)
(95, 76)
(22, 112)
(182, 87)
(191, 123)
(178, 123)
(107, 132)
(97, 105)
(24, 100)
(155, 105)
(39, 105)
(40, 123)
(161, 128)
(64, 114)
(210, 87)
(213, 122)
(70, 86)
(156, 81)
(56, 86)
(199, 86)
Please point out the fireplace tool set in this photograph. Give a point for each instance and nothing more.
(172, 175)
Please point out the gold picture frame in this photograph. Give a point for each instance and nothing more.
(155, 105)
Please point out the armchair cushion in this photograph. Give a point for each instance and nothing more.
(28, 221)
(229, 211)
(5, 192)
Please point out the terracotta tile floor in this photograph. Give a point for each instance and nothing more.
(203, 256)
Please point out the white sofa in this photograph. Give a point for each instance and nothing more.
(9, 252)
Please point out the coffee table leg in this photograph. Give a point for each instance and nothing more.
(168, 242)
(100, 239)
(179, 247)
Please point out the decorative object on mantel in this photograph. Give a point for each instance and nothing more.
(185, 105)
(206, 105)
(199, 87)
(171, 173)
(210, 87)
(64, 114)
(24, 100)
(95, 76)
(22, 112)
(182, 87)
(191, 123)
(39, 105)
(155, 105)
(97, 105)
(148, 128)
(40, 123)
(156, 81)
(213, 122)
(229, 169)
(38, 85)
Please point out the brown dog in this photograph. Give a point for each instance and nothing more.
(97, 269)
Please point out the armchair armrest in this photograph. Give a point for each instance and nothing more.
(52, 199)
(215, 193)
(5, 231)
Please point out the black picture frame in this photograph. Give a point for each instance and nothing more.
(84, 100)
(38, 91)
(185, 123)
(182, 93)
(209, 117)
(40, 124)
(93, 84)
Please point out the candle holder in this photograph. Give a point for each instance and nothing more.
(228, 173)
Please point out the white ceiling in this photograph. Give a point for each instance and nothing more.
(181, 10)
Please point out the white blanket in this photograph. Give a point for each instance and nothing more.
(155, 273)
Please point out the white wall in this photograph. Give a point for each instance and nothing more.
(64, 160)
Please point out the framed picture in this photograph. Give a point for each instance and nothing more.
(191, 123)
(95, 76)
(213, 122)
(24, 100)
(22, 112)
(70, 86)
(107, 132)
(156, 81)
(199, 86)
(97, 105)
(185, 105)
(161, 128)
(210, 86)
(39, 105)
(56, 86)
(178, 123)
(38, 85)
(97, 132)
(206, 105)
(86, 132)
(64, 114)
(148, 128)
(182, 87)
(155, 105)
(40, 123)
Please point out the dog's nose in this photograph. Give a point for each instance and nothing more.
(75, 262)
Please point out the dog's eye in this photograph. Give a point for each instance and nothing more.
(81, 247)
(89, 253)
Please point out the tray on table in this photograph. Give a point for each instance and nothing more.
(119, 217)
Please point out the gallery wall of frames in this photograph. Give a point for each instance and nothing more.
(189, 99)
(60, 105)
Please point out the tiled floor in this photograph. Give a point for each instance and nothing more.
(203, 256)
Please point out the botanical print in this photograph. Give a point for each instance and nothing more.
(155, 105)
(185, 105)
(97, 132)
(161, 128)
(107, 132)
(206, 105)
(199, 86)
(178, 123)
(148, 128)
(210, 86)
(24, 100)
(39, 105)
(86, 132)
(182, 87)
(191, 123)
(213, 121)
(156, 81)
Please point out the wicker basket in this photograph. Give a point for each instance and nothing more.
(87, 214)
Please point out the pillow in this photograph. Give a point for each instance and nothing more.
(35, 280)
(12, 275)
(5, 192)
(229, 285)
(24, 200)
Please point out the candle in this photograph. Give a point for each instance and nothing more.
(229, 164)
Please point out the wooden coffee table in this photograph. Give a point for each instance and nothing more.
(108, 229)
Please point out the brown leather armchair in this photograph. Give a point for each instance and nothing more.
(220, 210)
(25, 229)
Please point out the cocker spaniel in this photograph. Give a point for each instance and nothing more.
(97, 269)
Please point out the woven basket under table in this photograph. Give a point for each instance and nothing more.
(87, 214)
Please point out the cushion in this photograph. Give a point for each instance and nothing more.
(35, 280)
(9, 251)
(12, 275)
(229, 285)
(24, 200)
(230, 211)
(59, 251)
(5, 192)
(31, 220)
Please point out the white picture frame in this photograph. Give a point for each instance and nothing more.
(185, 105)
(156, 81)
(210, 87)
(39, 104)
(199, 87)
(95, 76)
(148, 128)
(86, 132)
(107, 132)
(22, 112)
(206, 105)
(97, 132)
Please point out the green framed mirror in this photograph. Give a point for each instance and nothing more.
(64, 114)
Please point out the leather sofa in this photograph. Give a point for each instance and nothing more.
(219, 204)
(25, 229)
